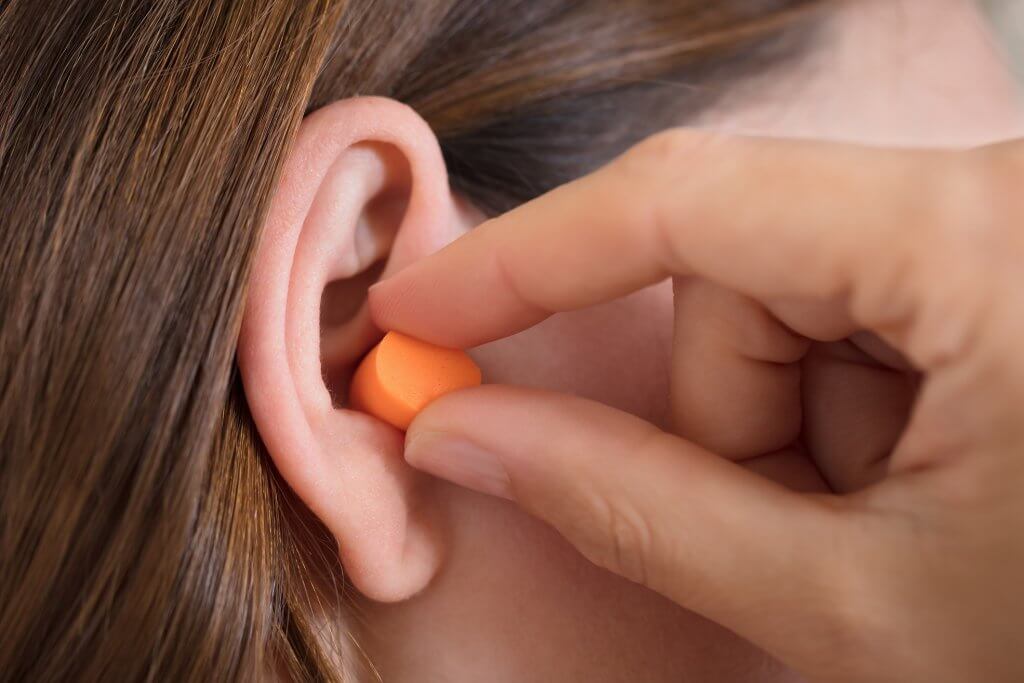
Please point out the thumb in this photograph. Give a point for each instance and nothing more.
(654, 508)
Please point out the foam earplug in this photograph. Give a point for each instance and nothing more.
(401, 375)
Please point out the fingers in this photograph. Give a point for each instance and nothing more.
(745, 386)
(855, 409)
(735, 385)
(774, 220)
(652, 507)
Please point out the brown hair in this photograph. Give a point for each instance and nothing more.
(143, 532)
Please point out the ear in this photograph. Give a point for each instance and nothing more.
(364, 189)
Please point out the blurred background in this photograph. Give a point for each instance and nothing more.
(1008, 17)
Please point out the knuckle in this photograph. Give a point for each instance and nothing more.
(624, 542)
(961, 242)
(660, 169)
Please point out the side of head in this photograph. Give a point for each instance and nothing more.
(170, 168)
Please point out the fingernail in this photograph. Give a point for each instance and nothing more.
(459, 461)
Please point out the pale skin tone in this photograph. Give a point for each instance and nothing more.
(929, 556)
(881, 543)
(724, 502)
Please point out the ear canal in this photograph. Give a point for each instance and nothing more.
(346, 330)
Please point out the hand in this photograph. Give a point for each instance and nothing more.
(860, 308)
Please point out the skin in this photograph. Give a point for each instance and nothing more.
(928, 552)
(462, 586)
(881, 277)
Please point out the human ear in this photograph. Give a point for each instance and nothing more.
(363, 192)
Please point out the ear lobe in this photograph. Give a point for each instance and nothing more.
(364, 190)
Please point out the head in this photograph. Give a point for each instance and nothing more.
(195, 197)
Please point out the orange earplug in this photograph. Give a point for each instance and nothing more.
(401, 375)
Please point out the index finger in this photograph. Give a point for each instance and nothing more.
(772, 219)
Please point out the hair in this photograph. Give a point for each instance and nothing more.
(144, 534)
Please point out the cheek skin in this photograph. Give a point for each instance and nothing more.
(516, 603)
(617, 353)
